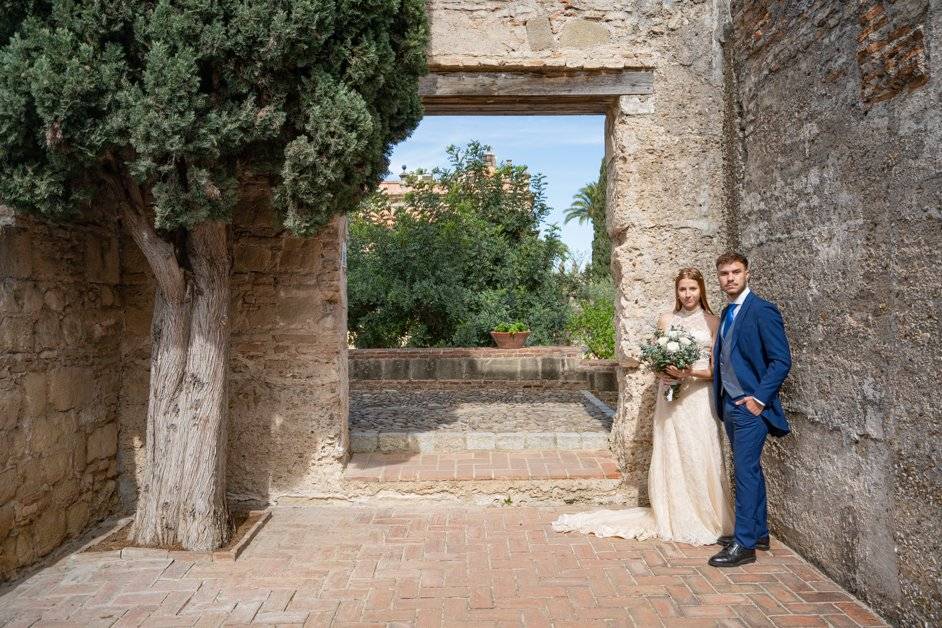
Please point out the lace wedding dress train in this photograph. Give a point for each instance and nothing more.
(687, 481)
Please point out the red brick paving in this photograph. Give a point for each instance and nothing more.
(486, 464)
(433, 565)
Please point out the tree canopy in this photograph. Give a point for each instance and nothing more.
(462, 254)
(183, 97)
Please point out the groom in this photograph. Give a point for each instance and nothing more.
(750, 361)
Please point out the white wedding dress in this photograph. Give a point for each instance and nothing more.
(687, 482)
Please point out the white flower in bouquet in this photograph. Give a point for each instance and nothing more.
(673, 347)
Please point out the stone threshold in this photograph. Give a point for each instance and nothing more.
(363, 442)
(483, 465)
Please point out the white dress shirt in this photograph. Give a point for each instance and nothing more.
(738, 303)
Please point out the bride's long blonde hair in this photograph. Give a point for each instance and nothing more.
(696, 275)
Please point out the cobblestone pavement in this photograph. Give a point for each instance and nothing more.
(484, 465)
(432, 565)
(486, 410)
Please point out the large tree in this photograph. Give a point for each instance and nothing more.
(165, 106)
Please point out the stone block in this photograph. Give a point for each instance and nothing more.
(511, 440)
(424, 442)
(636, 105)
(366, 369)
(540, 440)
(102, 443)
(49, 530)
(421, 368)
(396, 369)
(393, 441)
(11, 401)
(550, 368)
(539, 33)
(595, 440)
(579, 33)
(35, 387)
(16, 334)
(568, 440)
(481, 440)
(6, 519)
(76, 518)
(8, 485)
(56, 465)
(450, 441)
(364, 442)
(452, 368)
(70, 387)
(530, 368)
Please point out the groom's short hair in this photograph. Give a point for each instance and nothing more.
(731, 258)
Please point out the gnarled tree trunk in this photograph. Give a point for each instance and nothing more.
(182, 500)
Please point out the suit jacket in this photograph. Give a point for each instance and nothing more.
(760, 357)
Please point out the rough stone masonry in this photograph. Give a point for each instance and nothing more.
(841, 213)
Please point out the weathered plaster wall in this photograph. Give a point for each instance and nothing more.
(664, 152)
(60, 329)
(288, 396)
(841, 216)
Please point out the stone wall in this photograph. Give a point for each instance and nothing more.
(664, 152)
(841, 215)
(288, 430)
(60, 330)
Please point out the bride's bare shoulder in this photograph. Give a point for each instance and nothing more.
(664, 320)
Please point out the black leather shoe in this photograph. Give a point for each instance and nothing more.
(733, 556)
(761, 544)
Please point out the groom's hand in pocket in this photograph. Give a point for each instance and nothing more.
(751, 404)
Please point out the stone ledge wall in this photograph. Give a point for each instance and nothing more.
(841, 216)
(548, 366)
(60, 334)
(288, 429)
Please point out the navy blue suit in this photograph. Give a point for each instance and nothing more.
(761, 359)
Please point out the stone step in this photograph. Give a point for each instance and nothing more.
(444, 441)
(489, 477)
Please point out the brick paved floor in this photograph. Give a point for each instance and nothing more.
(484, 465)
(427, 565)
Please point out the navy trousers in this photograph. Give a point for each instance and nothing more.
(747, 433)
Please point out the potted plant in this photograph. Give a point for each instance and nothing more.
(510, 335)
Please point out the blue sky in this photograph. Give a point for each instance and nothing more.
(567, 149)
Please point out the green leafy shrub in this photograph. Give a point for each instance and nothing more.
(593, 322)
(511, 328)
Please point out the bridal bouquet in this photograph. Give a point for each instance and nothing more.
(673, 347)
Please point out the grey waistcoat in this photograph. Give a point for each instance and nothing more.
(731, 384)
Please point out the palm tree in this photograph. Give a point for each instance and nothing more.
(586, 203)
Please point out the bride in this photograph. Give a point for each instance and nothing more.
(687, 482)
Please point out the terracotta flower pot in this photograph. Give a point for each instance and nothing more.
(509, 339)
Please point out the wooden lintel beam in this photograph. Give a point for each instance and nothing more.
(521, 92)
